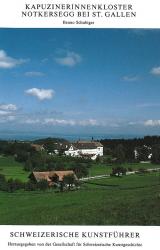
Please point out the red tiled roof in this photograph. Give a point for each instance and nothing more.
(48, 175)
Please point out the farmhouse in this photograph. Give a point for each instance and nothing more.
(91, 149)
(52, 177)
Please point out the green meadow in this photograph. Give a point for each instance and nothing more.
(128, 200)
(12, 169)
(102, 169)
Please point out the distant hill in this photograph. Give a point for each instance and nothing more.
(50, 140)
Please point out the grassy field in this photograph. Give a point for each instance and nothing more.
(12, 169)
(136, 166)
(128, 200)
(101, 169)
(127, 182)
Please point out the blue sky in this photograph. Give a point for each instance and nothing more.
(104, 81)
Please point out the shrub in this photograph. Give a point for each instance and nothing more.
(30, 186)
(3, 183)
(130, 169)
(11, 186)
(69, 180)
(2, 178)
(28, 165)
(42, 185)
(117, 171)
(18, 184)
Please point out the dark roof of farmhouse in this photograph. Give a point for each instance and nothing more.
(87, 144)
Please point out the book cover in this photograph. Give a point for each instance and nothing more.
(79, 124)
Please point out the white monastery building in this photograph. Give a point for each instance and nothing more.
(88, 149)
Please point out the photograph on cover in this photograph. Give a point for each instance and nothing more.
(79, 126)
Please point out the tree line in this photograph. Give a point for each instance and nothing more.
(125, 148)
(33, 160)
(12, 185)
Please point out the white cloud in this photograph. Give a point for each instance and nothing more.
(41, 94)
(70, 60)
(135, 123)
(7, 62)
(130, 78)
(3, 112)
(34, 73)
(25, 119)
(52, 121)
(132, 123)
(32, 121)
(147, 123)
(7, 113)
(7, 118)
(11, 118)
(155, 71)
(8, 107)
(89, 122)
(152, 123)
(82, 123)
